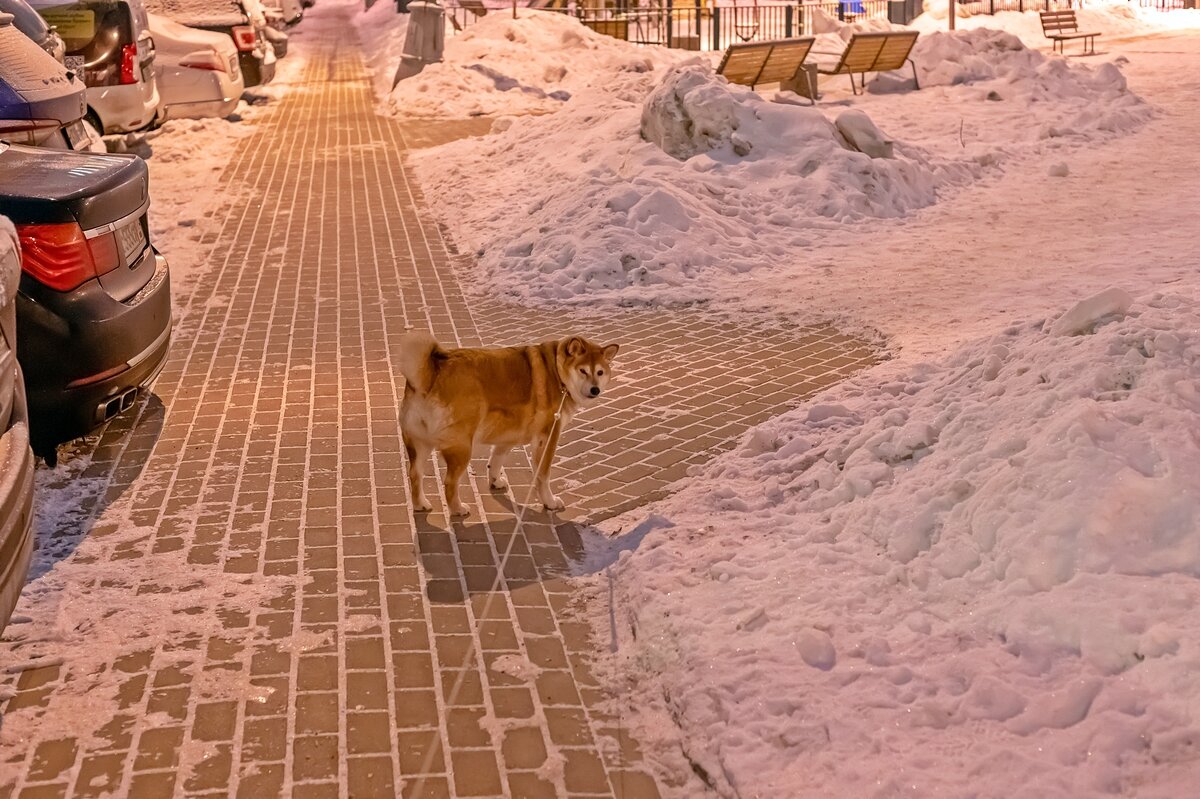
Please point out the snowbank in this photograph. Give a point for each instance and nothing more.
(1114, 19)
(603, 212)
(602, 215)
(501, 65)
(982, 573)
(1085, 99)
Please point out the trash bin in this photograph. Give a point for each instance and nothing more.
(424, 40)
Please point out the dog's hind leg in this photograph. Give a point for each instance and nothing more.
(496, 468)
(456, 463)
(543, 458)
(417, 458)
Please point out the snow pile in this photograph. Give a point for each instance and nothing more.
(981, 574)
(502, 65)
(1111, 19)
(1085, 99)
(382, 32)
(602, 212)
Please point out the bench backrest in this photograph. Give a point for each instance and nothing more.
(476, 7)
(877, 52)
(1059, 22)
(752, 63)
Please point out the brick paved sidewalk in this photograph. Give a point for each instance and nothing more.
(288, 628)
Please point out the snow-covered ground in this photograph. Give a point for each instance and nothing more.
(971, 571)
(975, 579)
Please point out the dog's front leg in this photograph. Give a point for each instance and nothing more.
(546, 445)
(496, 468)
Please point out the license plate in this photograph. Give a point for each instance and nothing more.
(73, 62)
(77, 135)
(132, 241)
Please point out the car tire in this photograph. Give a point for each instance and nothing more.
(93, 119)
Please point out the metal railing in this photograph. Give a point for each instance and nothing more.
(693, 25)
(698, 25)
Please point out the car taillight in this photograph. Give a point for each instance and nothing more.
(61, 257)
(210, 60)
(245, 38)
(129, 64)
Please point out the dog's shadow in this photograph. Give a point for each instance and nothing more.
(511, 549)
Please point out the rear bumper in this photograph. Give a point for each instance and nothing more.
(16, 510)
(83, 349)
(202, 109)
(123, 109)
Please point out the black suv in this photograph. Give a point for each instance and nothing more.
(94, 308)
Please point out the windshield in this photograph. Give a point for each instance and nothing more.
(94, 30)
(26, 19)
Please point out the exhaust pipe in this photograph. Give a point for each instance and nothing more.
(118, 404)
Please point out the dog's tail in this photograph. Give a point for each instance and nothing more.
(416, 359)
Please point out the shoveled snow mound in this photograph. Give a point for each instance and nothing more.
(1111, 19)
(600, 211)
(1089, 99)
(978, 579)
(381, 31)
(533, 63)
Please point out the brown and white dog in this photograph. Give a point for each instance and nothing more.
(457, 398)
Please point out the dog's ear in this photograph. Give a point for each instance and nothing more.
(575, 346)
(610, 352)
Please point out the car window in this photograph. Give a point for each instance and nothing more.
(96, 31)
(26, 19)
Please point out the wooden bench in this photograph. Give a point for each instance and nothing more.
(1061, 26)
(476, 7)
(778, 61)
(874, 52)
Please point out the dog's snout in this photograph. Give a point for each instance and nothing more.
(595, 391)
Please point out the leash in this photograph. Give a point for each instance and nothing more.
(493, 592)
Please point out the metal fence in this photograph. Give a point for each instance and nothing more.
(694, 25)
(697, 25)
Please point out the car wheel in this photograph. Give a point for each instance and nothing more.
(93, 119)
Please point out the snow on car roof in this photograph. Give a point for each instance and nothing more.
(183, 10)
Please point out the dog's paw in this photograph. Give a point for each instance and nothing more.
(459, 510)
(553, 503)
(499, 483)
(421, 505)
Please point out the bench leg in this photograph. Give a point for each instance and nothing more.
(916, 83)
(812, 86)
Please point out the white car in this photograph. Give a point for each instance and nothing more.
(197, 71)
(109, 45)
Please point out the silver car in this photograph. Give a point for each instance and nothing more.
(16, 460)
(110, 47)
